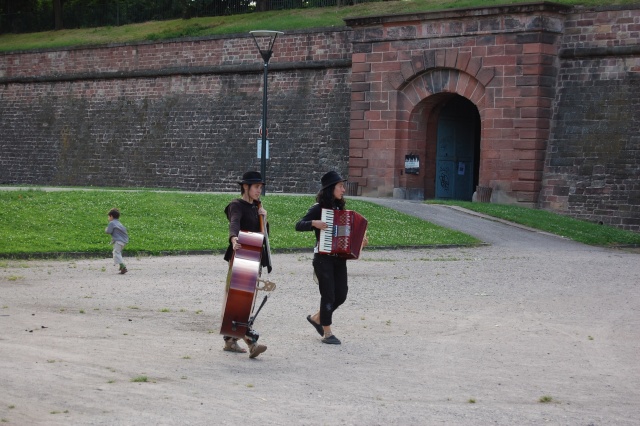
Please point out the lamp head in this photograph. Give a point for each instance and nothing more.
(272, 35)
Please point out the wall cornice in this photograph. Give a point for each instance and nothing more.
(599, 52)
(180, 71)
(458, 13)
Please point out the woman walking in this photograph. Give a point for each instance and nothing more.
(330, 270)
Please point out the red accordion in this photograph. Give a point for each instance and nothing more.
(345, 234)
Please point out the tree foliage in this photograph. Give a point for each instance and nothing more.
(43, 15)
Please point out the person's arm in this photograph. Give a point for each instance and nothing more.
(235, 215)
(311, 220)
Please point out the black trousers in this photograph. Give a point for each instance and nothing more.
(332, 283)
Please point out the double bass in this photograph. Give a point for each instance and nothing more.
(245, 270)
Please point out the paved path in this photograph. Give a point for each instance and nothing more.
(488, 229)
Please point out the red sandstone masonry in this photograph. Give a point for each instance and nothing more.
(492, 60)
(452, 78)
(357, 115)
(357, 136)
(358, 57)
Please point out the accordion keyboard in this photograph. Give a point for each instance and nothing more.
(326, 235)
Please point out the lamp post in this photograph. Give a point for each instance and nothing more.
(266, 53)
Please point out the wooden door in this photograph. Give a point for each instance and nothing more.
(455, 154)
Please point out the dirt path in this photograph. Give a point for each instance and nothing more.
(436, 336)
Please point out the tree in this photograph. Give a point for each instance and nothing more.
(263, 5)
(19, 15)
(57, 13)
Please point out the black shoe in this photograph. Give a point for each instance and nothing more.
(317, 326)
(331, 340)
(123, 271)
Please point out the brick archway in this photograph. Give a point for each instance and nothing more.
(398, 123)
(419, 102)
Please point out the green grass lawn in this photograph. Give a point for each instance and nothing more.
(282, 20)
(36, 221)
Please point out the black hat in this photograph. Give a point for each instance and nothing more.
(331, 178)
(251, 178)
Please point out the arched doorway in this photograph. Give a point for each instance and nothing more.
(457, 159)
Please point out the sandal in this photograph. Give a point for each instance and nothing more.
(232, 346)
(331, 340)
(257, 350)
(317, 326)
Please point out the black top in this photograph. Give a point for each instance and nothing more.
(243, 216)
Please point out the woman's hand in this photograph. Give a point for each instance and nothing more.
(262, 212)
(235, 244)
(319, 224)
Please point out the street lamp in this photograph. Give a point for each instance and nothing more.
(270, 37)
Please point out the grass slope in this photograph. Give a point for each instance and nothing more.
(282, 20)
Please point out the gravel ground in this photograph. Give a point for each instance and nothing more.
(456, 336)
